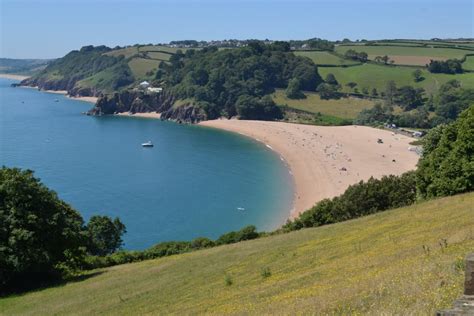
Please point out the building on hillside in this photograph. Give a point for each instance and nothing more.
(154, 90)
(144, 84)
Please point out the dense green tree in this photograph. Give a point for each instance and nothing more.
(450, 66)
(359, 56)
(331, 79)
(390, 92)
(293, 91)
(328, 91)
(409, 98)
(447, 164)
(351, 84)
(38, 231)
(105, 235)
(417, 75)
(217, 79)
(374, 93)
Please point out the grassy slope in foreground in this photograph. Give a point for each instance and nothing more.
(373, 265)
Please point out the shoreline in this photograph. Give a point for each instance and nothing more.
(13, 76)
(325, 160)
(150, 115)
(65, 94)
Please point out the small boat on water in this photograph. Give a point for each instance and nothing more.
(241, 209)
(147, 144)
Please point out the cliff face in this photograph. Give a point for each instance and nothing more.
(140, 102)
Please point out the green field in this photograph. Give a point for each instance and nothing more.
(154, 48)
(346, 108)
(405, 51)
(377, 76)
(404, 262)
(325, 58)
(406, 54)
(126, 52)
(469, 63)
(140, 66)
(159, 55)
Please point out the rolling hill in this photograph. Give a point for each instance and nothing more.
(403, 261)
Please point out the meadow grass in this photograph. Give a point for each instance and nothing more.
(159, 55)
(376, 76)
(405, 51)
(347, 108)
(469, 63)
(126, 52)
(406, 261)
(140, 66)
(325, 58)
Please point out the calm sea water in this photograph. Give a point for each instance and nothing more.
(190, 184)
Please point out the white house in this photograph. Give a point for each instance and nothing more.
(144, 84)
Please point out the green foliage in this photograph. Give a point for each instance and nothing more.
(265, 272)
(359, 56)
(293, 91)
(246, 233)
(219, 78)
(417, 75)
(450, 66)
(228, 280)
(358, 200)
(249, 107)
(452, 99)
(331, 79)
(38, 231)
(105, 235)
(447, 165)
(329, 91)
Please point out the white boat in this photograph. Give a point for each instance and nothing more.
(241, 209)
(148, 144)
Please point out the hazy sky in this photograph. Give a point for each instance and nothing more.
(51, 28)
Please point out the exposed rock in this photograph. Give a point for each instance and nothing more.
(141, 102)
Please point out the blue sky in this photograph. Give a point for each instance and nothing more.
(51, 28)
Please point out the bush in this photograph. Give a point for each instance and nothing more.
(360, 199)
(447, 164)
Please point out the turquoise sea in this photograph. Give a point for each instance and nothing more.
(190, 184)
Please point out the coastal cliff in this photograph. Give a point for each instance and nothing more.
(141, 102)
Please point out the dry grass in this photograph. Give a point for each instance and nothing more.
(346, 108)
(373, 266)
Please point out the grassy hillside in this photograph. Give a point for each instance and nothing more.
(377, 76)
(346, 108)
(325, 58)
(22, 66)
(404, 261)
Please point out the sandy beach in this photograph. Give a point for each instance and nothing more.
(324, 161)
(14, 77)
(153, 115)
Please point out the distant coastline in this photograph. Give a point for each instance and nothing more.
(324, 161)
(13, 77)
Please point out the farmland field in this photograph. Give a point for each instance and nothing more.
(346, 108)
(159, 55)
(126, 52)
(140, 66)
(400, 55)
(469, 63)
(156, 48)
(376, 76)
(325, 58)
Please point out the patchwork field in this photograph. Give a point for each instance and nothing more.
(401, 262)
(325, 58)
(376, 76)
(159, 55)
(409, 55)
(346, 108)
(141, 66)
